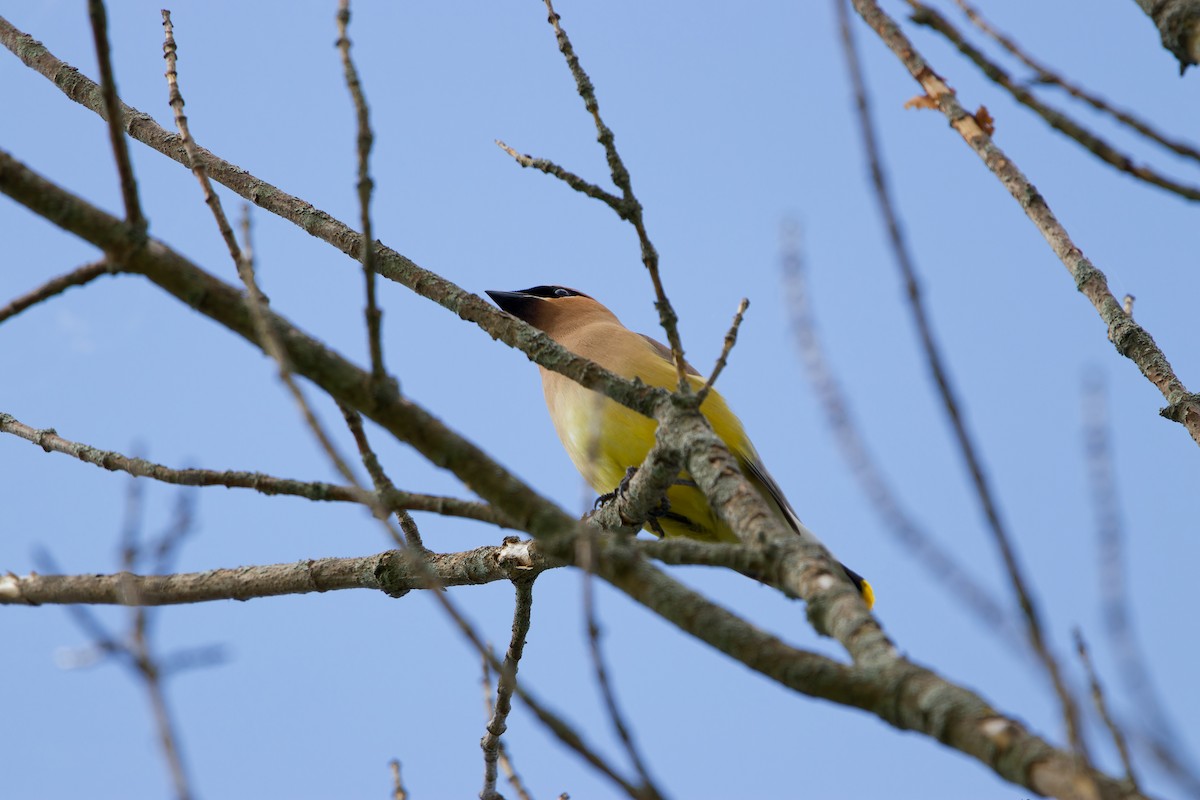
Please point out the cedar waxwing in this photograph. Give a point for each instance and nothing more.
(604, 438)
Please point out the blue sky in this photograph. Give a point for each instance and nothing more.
(730, 123)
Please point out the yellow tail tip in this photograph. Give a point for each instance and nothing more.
(868, 594)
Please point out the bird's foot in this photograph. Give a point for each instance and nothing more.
(621, 490)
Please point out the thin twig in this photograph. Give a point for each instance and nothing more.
(566, 176)
(1102, 707)
(586, 549)
(979, 139)
(979, 730)
(915, 541)
(631, 207)
(730, 341)
(929, 17)
(258, 301)
(965, 441)
(503, 757)
(76, 277)
(390, 264)
(505, 684)
(392, 499)
(383, 484)
(1132, 666)
(1046, 76)
(398, 791)
(365, 186)
(112, 106)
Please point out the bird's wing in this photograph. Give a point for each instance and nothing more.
(664, 353)
(757, 472)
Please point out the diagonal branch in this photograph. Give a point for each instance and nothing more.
(1047, 76)
(392, 265)
(931, 18)
(967, 447)
(1130, 339)
(113, 107)
(56, 286)
(903, 694)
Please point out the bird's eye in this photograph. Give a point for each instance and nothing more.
(561, 292)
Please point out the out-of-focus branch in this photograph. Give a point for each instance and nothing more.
(972, 460)
(1178, 23)
(1154, 722)
(1130, 339)
(914, 539)
(1102, 708)
(1048, 77)
(134, 649)
(392, 499)
(398, 790)
(905, 695)
(586, 553)
(76, 277)
(931, 18)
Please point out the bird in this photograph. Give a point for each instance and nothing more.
(607, 441)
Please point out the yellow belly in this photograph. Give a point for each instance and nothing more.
(604, 439)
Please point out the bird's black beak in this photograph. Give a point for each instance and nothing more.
(516, 303)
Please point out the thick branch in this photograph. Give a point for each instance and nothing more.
(536, 345)
(1178, 23)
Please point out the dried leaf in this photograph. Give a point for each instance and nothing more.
(985, 120)
(921, 101)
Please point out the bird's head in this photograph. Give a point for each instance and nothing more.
(552, 309)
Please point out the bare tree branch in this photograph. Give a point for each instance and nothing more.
(112, 106)
(629, 208)
(392, 265)
(1046, 76)
(1178, 23)
(648, 789)
(383, 484)
(80, 276)
(1130, 339)
(931, 18)
(392, 572)
(972, 459)
(730, 341)
(365, 139)
(939, 562)
(392, 499)
(505, 685)
(1102, 708)
(1155, 721)
(958, 717)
